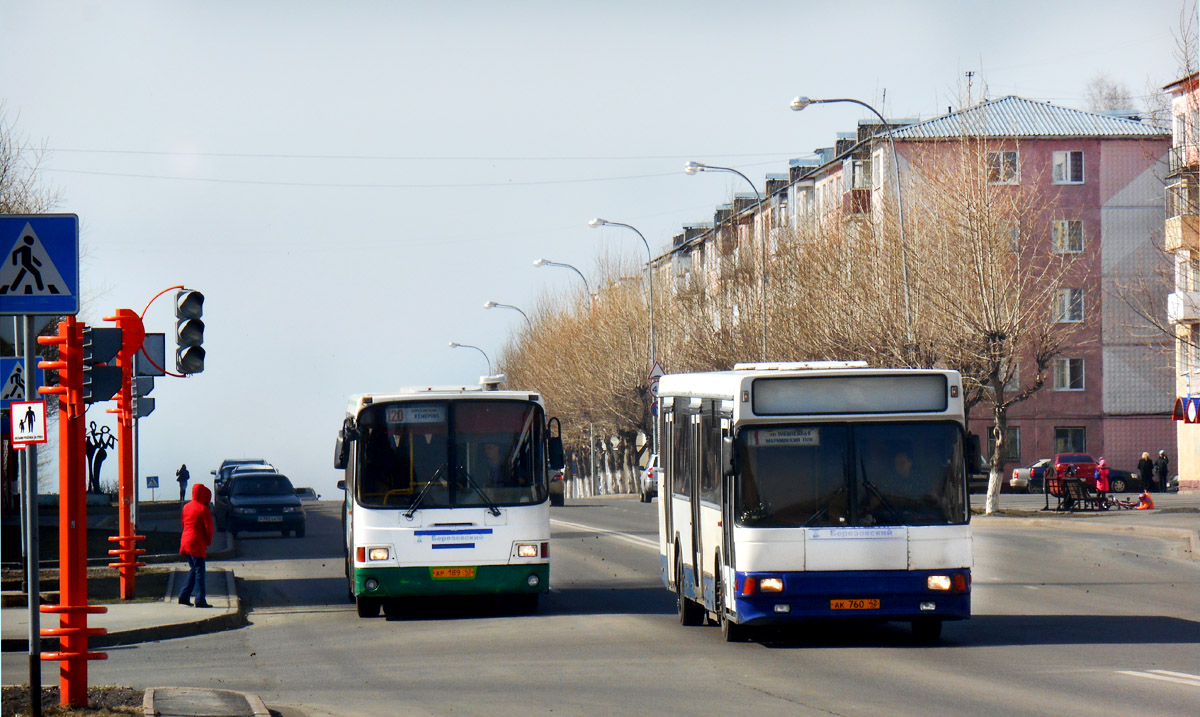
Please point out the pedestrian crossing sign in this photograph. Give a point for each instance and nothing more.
(40, 273)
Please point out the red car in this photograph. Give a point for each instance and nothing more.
(1084, 467)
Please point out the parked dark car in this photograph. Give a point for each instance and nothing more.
(259, 501)
(1120, 481)
(221, 474)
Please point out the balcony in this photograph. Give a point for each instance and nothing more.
(1182, 157)
(856, 201)
(1183, 306)
(1182, 232)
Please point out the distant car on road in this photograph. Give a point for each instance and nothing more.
(1031, 478)
(259, 501)
(557, 487)
(307, 494)
(1082, 465)
(648, 484)
(221, 474)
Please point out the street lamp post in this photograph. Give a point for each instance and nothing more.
(494, 305)
(547, 262)
(695, 167)
(456, 345)
(800, 103)
(649, 274)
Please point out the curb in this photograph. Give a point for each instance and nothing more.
(257, 707)
(217, 623)
(1190, 538)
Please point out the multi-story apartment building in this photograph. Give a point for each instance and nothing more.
(1182, 239)
(1101, 176)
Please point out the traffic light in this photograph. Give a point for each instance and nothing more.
(100, 382)
(189, 331)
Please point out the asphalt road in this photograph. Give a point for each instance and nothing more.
(1065, 623)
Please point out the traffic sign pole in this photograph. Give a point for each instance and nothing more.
(29, 493)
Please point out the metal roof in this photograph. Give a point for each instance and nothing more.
(1018, 117)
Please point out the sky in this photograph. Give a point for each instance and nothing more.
(348, 183)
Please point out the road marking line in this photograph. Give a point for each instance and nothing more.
(1181, 678)
(631, 539)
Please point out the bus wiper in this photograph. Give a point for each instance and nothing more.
(479, 491)
(824, 506)
(412, 509)
(878, 494)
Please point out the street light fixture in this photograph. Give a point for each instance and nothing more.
(547, 262)
(597, 222)
(494, 304)
(692, 168)
(800, 103)
(456, 345)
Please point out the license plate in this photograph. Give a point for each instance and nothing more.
(453, 573)
(871, 604)
(270, 518)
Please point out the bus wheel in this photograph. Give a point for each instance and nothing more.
(730, 630)
(368, 607)
(927, 632)
(690, 613)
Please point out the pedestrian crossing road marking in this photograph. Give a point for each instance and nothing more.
(28, 269)
(1181, 678)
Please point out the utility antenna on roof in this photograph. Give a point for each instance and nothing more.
(969, 74)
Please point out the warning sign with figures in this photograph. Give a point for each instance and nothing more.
(40, 273)
(28, 423)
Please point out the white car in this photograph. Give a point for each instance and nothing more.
(648, 484)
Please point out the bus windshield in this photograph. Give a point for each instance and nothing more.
(451, 454)
(843, 474)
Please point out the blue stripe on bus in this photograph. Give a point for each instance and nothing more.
(469, 531)
(452, 546)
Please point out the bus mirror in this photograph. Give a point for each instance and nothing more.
(341, 485)
(728, 453)
(973, 464)
(554, 452)
(339, 454)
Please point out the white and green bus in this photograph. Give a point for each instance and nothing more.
(446, 493)
(815, 491)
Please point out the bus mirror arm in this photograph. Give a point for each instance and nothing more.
(341, 485)
(973, 452)
(731, 468)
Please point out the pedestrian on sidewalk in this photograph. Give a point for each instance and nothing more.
(197, 536)
(183, 477)
(1162, 467)
(1146, 472)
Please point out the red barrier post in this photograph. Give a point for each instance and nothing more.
(133, 333)
(73, 607)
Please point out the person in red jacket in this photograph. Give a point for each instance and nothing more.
(197, 536)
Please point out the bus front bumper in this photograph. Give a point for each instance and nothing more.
(855, 595)
(487, 580)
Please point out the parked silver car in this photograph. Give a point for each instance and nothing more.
(648, 484)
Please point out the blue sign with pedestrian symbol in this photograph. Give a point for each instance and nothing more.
(12, 373)
(40, 274)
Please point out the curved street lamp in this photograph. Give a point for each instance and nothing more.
(494, 304)
(800, 103)
(597, 222)
(692, 168)
(547, 262)
(456, 345)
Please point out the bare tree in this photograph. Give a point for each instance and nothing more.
(1103, 93)
(22, 190)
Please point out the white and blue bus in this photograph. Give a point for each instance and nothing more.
(815, 491)
(446, 493)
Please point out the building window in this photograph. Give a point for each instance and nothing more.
(1010, 448)
(1068, 167)
(1002, 167)
(1069, 306)
(1067, 236)
(1070, 439)
(1068, 374)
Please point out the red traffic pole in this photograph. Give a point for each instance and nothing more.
(73, 607)
(133, 333)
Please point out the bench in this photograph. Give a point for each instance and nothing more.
(1075, 494)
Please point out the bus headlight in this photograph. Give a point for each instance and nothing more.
(528, 550)
(770, 585)
(377, 554)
